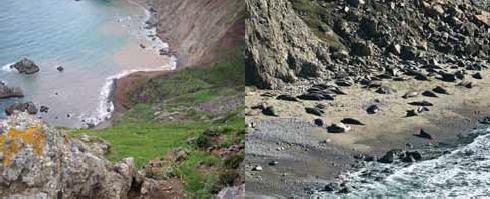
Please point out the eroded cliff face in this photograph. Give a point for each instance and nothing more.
(362, 41)
(199, 31)
(41, 162)
(279, 45)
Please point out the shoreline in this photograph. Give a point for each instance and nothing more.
(109, 103)
(451, 116)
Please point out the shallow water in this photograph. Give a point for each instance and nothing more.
(94, 40)
(463, 173)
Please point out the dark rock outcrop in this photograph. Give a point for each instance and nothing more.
(26, 66)
(8, 92)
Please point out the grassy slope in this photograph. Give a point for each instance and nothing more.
(140, 134)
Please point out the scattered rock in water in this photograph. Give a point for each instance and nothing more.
(389, 157)
(338, 128)
(411, 156)
(269, 111)
(28, 107)
(314, 111)
(421, 103)
(60, 68)
(286, 97)
(10, 92)
(423, 134)
(440, 90)
(477, 76)
(351, 121)
(26, 66)
(373, 109)
(142, 46)
(429, 94)
(410, 94)
(43, 109)
(319, 122)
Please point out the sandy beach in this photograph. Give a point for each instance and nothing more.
(308, 155)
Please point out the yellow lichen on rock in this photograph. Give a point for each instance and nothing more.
(14, 140)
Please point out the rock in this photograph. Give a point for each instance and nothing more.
(410, 94)
(362, 49)
(46, 161)
(351, 121)
(10, 92)
(408, 53)
(485, 120)
(338, 128)
(484, 18)
(60, 68)
(411, 156)
(395, 49)
(429, 94)
(28, 107)
(142, 46)
(269, 111)
(314, 111)
(372, 109)
(43, 109)
(26, 66)
(423, 134)
(286, 97)
(356, 3)
(477, 76)
(389, 157)
(421, 103)
(440, 90)
(319, 122)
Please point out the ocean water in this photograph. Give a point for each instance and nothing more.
(94, 40)
(462, 173)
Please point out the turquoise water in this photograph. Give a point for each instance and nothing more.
(82, 36)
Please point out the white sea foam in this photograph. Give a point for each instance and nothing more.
(7, 67)
(463, 173)
(106, 105)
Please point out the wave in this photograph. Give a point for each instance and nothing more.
(106, 104)
(7, 67)
(463, 173)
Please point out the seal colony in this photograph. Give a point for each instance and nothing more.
(372, 77)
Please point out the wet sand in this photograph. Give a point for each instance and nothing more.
(450, 116)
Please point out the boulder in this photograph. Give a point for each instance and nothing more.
(9, 92)
(26, 66)
(27, 107)
(42, 162)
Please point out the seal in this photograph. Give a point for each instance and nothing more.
(351, 121)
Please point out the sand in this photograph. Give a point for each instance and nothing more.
(450, 116)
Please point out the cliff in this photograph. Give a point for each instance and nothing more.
(361, 41)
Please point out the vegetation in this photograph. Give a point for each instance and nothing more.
(315, 15)
(143, 133)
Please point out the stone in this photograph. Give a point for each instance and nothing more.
(43, 109)
(27, 107)
(10, 92)
(389, 156)
(26, 66)
(338, 128)
(60, 68)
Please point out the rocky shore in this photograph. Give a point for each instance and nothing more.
(359, 80)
